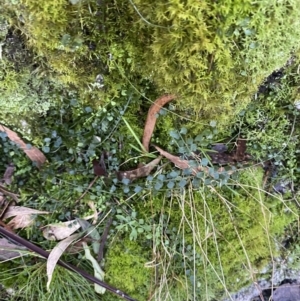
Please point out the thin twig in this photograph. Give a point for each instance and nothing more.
(89, 187)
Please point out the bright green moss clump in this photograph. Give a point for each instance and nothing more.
(216, 241)
(125, 269)
(212, 55)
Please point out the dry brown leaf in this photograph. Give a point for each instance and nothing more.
(77, 246)
(21, 221)
(99, 166)
(151, 118)
(56, 253)
(33, 153)
(139, 172)
(23, 216)
(20, 210)
(184, 164)
(7, 177)
(61, 230)
(9, 250)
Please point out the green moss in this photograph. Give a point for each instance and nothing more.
(212, 56)
(216, 55)
(219, 239)
(125, 268)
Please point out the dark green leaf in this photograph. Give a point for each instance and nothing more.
(171, 185)
(46, 149)
(204, 162)
(183, 131)
(137, 189)
(182, 183)
(174, 134)
(158, 185)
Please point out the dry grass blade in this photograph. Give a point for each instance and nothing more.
(33, 153)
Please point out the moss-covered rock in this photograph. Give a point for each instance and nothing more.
(213, 56)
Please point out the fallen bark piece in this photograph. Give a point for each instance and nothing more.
(143, 171)
(151, 118)
(33, 153)
(240, 149)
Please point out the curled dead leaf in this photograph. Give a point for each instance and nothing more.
(151, 118)
(77, 246)
(23, 216)
(99, 166)
(184, 164)
(60, 231)
(139, 172)
(7, 177)
(33, 153)
(20, 210)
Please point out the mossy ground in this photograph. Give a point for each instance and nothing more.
(72, 71)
